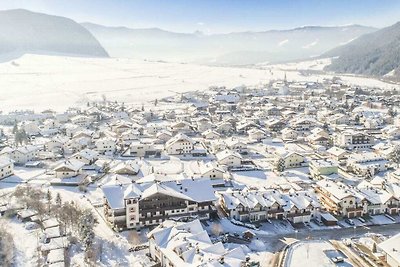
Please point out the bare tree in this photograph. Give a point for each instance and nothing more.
(6, 248)
(216, 229)
(133, 238)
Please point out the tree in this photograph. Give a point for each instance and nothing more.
(87, 222)
(369, 174)
(6, 248)
(280, 165)
(15, 128)
(49, 198)
(394, 155)
(133, 238)
(58, 200)
(216, 229)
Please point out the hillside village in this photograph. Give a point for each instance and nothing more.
(206, 178)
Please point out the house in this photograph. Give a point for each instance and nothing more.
(390, 249)
(179, 144)
(142, 148)
(290, 159)
(321, 167)
(56, 143)
(30, 127)
(6, 167)
(273, 111)
(129, 167)
(339, 199)
(127, 137)
(229, 158)
(303, 124)
(319, 139)
(180, 127)
(289, 134)
(210, 134)
(379, 201)
(22, 155)
(69, 168)
(256, 134)
(138, 205)
(164, 136)
(391, 132)
(337, 153)
(351, 140)
(175, 244)
(260, 205)
(81, 120)
(338, 119)
(224, 127)
(105, 145)
(203, 124)
(367, 163)
(274, 125)
(211, 170)
(87, 156)
(235, 144)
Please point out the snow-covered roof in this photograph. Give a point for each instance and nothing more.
(391, 247)
(188, 244)
(71, 164)
(227, 153)
(5, 161)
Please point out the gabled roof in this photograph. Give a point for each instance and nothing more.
(227, 153)
(164, 190)
(71, 164)
(177, 138)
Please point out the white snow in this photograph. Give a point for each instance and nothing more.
(40, 82)
(282, 43)
(25, 242)
(307, 46)
(312, 253)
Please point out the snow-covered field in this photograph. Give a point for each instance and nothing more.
(41, 82)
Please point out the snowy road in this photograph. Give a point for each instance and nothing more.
(277, 242)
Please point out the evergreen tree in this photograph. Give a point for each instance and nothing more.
(280, 165)
(15, 128)
(395, 155)
(58, 200)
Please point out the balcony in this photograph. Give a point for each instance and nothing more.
(292, 215)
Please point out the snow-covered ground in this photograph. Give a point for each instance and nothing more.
(25, 242)
(41, 82)
(313, 253)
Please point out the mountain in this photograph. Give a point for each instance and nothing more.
(23, 31)
(239, 48)
(374, 54)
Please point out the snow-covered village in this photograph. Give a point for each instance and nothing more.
(226, 176)
(200, 143)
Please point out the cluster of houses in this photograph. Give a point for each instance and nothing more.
(315, 149)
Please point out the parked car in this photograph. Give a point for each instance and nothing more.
(337, 259)
(350, 221)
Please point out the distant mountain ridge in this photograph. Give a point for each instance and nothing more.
(375, 54)
(23, 31)
(238, 48)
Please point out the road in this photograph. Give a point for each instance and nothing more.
(276, 242)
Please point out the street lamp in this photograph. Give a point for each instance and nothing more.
(296, 231)
(354, 232)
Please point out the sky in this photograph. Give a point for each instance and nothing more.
(218, 16)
